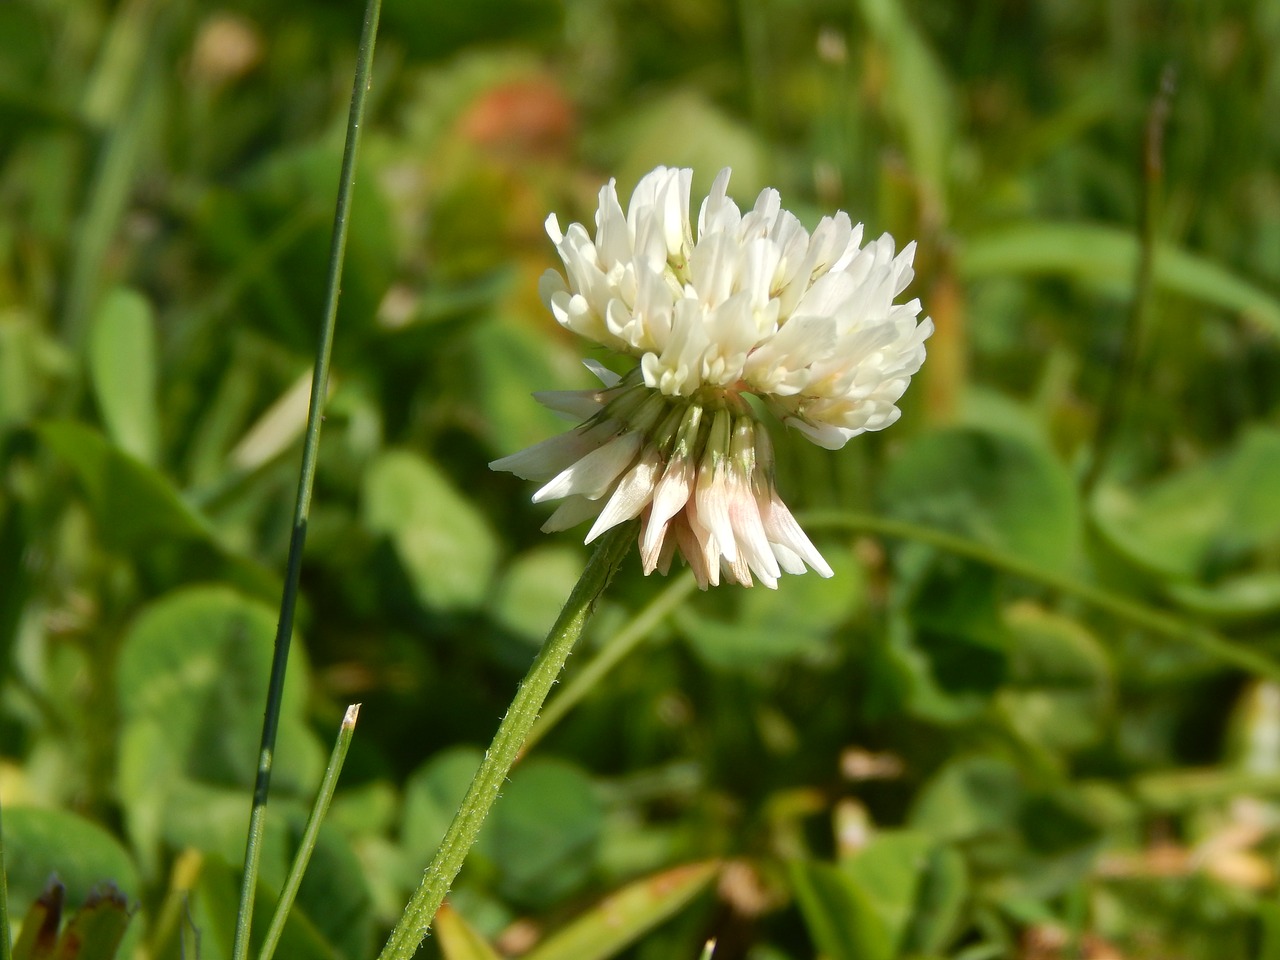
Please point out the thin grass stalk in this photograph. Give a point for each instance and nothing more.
(415, 922)
(113, 172)
(1117, 400)
(619, 646)
(6, 948)
(302, 506)
(1119, 606)
(319, 808)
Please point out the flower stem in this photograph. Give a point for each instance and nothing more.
(619, 646)
(302, 505)
(416, 920)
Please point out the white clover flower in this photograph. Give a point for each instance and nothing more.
(754, 304)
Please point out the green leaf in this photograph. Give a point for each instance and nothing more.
(458, 939)
(943, 890)
(1103, 254)
(1060, 686)
(624, 916)
(192, 677)
(538, 842)
(1269, 918)
(918, 93)
(122, 366)
(798, 620)
(442, 541)
(39, 843)
(971, 796)
(543, 833)
(533, 589)
(513, 361)
(1200, 528)
(996, 487)
(840, 917)
(685, 129)
(431, 797)
(889, 870)
(96, 930)
(135, 505)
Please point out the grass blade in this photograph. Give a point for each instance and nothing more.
(312, 831)
(302, 506)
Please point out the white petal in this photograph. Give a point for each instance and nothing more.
(786, 534)
(594, 474)
(546, 459)
(570, 513)
(630, 496)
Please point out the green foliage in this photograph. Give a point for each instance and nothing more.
(1025, 719)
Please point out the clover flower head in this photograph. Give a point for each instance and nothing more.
(748, 304)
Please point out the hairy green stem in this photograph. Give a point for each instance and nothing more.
(302, 505)
(1138, 614)
(619, 645)
(503, 752)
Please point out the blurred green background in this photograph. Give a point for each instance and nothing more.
(1034, 715)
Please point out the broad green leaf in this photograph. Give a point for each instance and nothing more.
(686, 129)
(798, 620)
(1197, 528)
(543, 833)
(539, 841)
(39, 843)
(122, 366)
(969, 797)
(446, 547)
(513, 361)
(842, 921)
(135, 505)
(1101, 254)
(995, 487)
(621, 918)
(888, 871)
(191, 681)
(432, 795)
(1059, 693)
(533, 589)
(213, 905)
(458, 939)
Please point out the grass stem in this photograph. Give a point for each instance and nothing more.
(312, 831)
(302, 505)
(1119, 606)
(5, 947)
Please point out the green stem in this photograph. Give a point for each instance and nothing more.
(1116, 401)
(302, 505)
(1140, 615)
(5, 947)
(416, 920)
(318, 809)
(621, 644)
